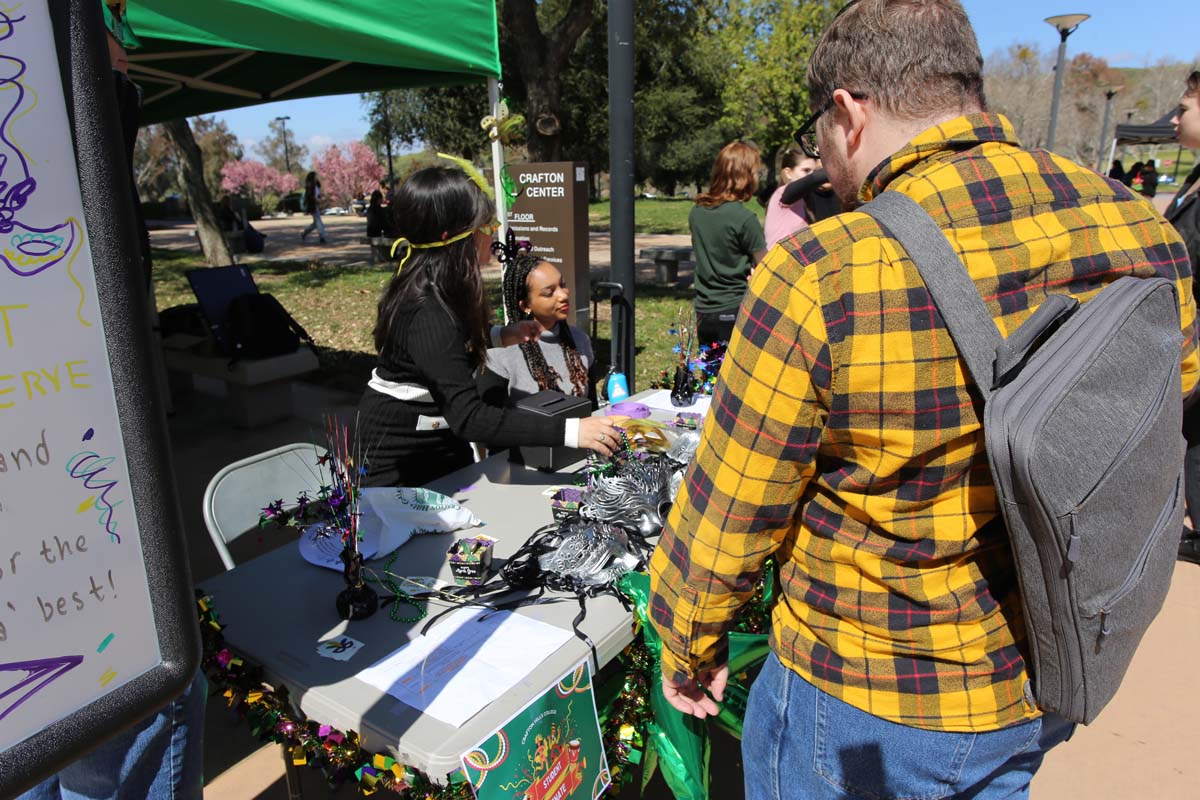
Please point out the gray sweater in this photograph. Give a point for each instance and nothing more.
(509, 363)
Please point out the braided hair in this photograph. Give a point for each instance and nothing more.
(516, 289)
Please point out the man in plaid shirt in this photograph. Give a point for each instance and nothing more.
(845, 437)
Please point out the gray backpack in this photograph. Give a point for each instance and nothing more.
(1082, 419)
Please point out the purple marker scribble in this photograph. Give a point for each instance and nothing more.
(26, 249)
(88, 467)
(45, 670)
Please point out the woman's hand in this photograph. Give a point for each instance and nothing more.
(599, 434)
(526, 330)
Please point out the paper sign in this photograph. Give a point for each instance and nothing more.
(339, 648)
(550, 750)
(76, 621)
(465, 662)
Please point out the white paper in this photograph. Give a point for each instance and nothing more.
(466, 662)
(339, 648)
(661, 401)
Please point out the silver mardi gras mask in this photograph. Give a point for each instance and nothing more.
(638, 498)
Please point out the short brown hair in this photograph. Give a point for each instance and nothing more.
(914, 58)
(734, 175)
(1193, 84)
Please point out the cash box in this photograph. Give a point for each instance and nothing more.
(553, 406)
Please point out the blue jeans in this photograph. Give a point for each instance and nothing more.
(159, 758)
(800, 742)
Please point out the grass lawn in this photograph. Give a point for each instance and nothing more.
(661, 215)
(336, 305)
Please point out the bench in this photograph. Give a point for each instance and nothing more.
(381, 247)
(666, 262)
(257, 391)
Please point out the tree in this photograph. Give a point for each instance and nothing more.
(765, 45)
(155, 163)
(256, 179)
(444, 118)
(545, 33)
(347, 171)
(1018, 83)
(276, 155)
(212, 239)
(218, 146)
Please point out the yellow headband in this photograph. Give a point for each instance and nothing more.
(472, 172)
(425, 246)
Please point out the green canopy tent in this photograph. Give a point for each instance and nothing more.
(201, 57)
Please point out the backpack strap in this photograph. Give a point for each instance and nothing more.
(968, 320)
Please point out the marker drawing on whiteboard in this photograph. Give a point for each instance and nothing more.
(40, 673)
(27, 250)
(107, 677)
(107, 640)
(87, 466)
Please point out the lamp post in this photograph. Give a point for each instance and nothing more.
(1109, 94)
(1066, 25)
(287, 157)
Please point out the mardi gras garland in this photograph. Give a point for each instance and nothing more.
(636, 730)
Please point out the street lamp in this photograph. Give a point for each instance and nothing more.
(1066, 25)
(287, 157)
(1109, 94)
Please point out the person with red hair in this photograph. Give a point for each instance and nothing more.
(727, 240)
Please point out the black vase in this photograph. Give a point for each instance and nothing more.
(683, 390)
(357, 600)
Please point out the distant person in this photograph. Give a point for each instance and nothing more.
(820, 200)
(1184, 214)
(376, 216)
(1117, 171)
(1133, 178)
(1149, 179)
(727, 240)
(784, 219)
(311, 202)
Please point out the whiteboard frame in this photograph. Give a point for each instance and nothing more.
(113, 241)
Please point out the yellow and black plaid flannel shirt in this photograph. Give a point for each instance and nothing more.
(843, 436)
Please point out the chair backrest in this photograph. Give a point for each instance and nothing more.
(237, 494)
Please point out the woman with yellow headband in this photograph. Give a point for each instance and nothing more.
(422, 405)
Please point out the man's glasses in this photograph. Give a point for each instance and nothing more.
(806, 134)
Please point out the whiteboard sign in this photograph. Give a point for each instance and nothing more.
(76, 620)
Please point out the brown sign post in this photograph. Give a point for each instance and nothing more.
(551, 212)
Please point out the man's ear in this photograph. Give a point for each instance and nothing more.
(853, 116)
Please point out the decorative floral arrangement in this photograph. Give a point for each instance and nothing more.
(703, 367)
(335, 512)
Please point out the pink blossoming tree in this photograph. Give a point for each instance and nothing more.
(256, 179)
(347, 170)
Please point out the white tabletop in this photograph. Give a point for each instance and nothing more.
(277, 607)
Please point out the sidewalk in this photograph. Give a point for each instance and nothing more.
(344, 248)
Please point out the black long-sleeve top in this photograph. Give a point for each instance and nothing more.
(431, 352)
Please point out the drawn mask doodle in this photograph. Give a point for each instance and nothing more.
(638, 498)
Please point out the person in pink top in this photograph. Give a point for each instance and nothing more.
(784, 220)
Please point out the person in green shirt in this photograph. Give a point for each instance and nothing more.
(727, 240)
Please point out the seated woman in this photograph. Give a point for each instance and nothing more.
(561, 358)
(422, 405)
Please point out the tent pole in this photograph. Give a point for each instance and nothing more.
(493, 90)
(621, 177)
(1112, 153)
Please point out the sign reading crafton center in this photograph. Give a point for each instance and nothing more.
(551, 212)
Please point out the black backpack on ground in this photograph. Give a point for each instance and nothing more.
(258, 326)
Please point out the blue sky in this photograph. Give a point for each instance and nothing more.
(1118, 31)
